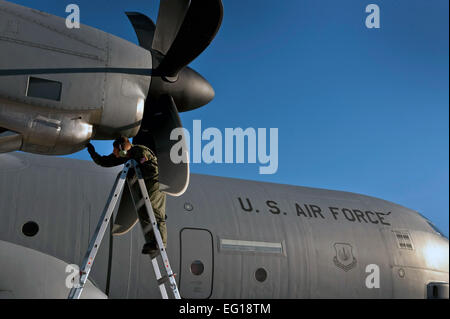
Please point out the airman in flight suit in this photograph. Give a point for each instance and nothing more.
(147, 161)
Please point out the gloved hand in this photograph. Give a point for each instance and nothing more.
(90, 148)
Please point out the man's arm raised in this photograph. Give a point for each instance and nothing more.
(105, 161)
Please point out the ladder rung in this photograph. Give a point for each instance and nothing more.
(164, 279)
(133, 180)
(147, 229)
(140, 204)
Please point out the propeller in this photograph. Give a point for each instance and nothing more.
(144, 27)
(199, 27)
(170, 17)
(184, 29)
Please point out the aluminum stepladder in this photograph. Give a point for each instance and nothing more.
(132, 176)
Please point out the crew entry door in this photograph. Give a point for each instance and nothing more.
(196, 274)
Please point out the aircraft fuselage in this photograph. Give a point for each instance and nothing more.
(227, 238)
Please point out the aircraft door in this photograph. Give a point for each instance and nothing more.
(197, 268)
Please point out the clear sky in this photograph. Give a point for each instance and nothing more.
(360, 110)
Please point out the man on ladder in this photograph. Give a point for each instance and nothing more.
(148, 164)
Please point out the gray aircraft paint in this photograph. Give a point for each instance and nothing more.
(46, 274)
(234, 227)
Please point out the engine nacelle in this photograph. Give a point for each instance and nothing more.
(90, 96)
(37, 131)
(10, 142)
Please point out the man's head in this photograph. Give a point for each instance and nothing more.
(121, 146)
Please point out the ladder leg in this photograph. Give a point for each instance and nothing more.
(102, 226)
(162, 287)
(151, 217)
(160, 243)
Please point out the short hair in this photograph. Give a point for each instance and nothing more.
(121, 141)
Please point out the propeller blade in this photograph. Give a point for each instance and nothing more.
(161, 117)
(170, 17)
(144, 28)
(201, 24)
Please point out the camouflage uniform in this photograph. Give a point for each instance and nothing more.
(149, 167)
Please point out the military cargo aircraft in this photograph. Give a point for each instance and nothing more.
(228, 238)
(61, 88)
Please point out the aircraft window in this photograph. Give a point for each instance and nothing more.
(30, 229)
(44, 89)
(261, 275)
(437, 230)
(197, 268)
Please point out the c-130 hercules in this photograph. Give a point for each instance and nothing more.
(60, 88)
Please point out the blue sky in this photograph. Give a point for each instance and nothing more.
(360, 110)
